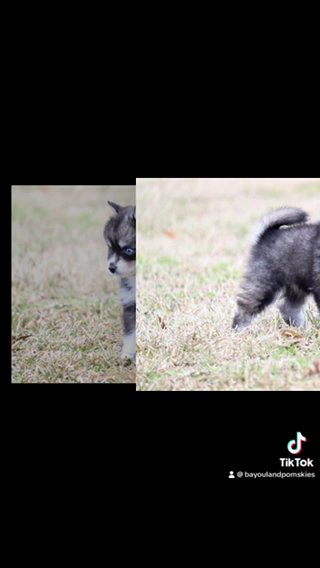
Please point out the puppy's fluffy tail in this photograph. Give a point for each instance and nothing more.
(276, 219)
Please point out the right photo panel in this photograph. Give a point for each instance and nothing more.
(228, 284)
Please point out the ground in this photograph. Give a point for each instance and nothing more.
(66, 318)
(193, 243)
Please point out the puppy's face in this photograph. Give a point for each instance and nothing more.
(122, 258)
(120, 236)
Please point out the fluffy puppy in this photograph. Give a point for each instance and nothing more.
(285, 257)
(120, 236)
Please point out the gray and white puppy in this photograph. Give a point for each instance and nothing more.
(283, 259)
(120, 236)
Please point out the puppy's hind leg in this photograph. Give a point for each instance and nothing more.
(291, 306)
(316, 296)
(316, 277)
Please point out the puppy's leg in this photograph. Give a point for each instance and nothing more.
(129, 347)
(316, 276)
(129, 333)
(316, 296)
(316, 279)
(257, 294)
(291, 306)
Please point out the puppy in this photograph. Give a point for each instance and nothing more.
(120, 236)
(285, 257)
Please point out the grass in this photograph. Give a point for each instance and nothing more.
(193, 242)
(66, 318)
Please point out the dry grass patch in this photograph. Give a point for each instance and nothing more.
(66, 318)
(193, 242)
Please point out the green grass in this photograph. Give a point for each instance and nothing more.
(66, 318)
(187, 285)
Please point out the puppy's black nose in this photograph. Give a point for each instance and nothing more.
(112, 267)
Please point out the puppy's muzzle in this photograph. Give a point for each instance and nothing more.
(112, 267)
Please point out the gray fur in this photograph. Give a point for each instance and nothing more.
(128, 301)
(129, 318)
(122, 226)
(285, 258)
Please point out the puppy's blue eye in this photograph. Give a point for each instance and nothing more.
(129, 251)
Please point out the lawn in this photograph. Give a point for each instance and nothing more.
(66, 318)
(193, 243)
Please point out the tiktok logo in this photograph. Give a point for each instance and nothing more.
(295, 446)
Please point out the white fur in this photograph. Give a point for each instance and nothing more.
(128, 296)
(129, 346)
(112, 258)
(124, 269)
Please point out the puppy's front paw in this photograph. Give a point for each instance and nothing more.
(129, 348)
(127, 358)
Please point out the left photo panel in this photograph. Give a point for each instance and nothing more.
(73, 284)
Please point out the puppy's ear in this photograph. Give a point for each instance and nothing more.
(133, 214)
(117, 208)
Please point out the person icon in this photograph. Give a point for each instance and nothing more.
(231, 476)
